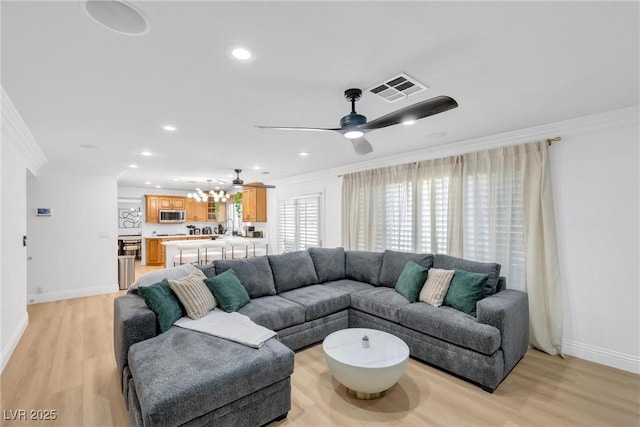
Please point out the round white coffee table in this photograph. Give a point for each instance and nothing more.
(367, 372)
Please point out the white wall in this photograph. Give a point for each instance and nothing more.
(330, 185)
(19, 153)
(595, 178)
(14, 254)
(596, 191)
(74, 251)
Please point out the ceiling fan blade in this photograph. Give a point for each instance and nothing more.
(299, 128)
(258, 186)
(361, 146)
(416, 111)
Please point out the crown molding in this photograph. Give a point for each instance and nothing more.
(567, 129)
(15, 131)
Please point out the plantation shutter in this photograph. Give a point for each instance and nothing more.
(299, 223)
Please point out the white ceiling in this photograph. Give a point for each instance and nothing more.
(509, 66)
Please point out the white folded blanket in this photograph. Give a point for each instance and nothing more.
(232, 326)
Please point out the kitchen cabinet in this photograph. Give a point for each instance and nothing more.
(196, 211)
(154, 203)
(155, 255)
(216, 216)
(254, 204)
(167, 202)
(151, 208)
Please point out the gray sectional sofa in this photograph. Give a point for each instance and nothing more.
(182, 377)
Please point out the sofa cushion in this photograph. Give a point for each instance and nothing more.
(349, 286)
(393, 263)
(292, 270)
(254, 274)
(436, 286)
(411, 280)
(194, 295)
(318, 300)
(329, 263)
(450, 325)
(363, 266)
(209, 270)
(382, 302)
(274, 312)
(447, 262)
(163, 302)
(229, 292)
(465, 291)
(182, 375)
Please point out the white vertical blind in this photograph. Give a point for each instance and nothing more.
(299, 222)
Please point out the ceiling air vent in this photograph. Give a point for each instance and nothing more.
(398, 87)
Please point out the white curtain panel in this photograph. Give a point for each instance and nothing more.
(489, 206)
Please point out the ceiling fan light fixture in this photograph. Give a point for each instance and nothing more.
(353, 134)
(408, 122)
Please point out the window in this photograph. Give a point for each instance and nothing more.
(299, 221)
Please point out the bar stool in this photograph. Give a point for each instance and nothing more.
(259, 247)
(188, 253)
(212, 250)
(239, 248)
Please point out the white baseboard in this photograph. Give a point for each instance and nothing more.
(71, 293)
(7, 351)
(626, 362)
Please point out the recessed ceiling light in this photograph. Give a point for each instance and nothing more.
(133, 165)
(241, 53)
(256, 168)
(118, 16)
(303, 154)
(169, 128)
(158, 186)
(408, 122)
(148, 182)
(145, 153)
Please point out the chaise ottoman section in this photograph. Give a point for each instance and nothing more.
(183, 376)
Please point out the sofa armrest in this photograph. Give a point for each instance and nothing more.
(508, 310)
(133, 322)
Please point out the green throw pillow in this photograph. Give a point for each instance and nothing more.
(228, 290)
(465, 291)
(163, 302)
(411, 280)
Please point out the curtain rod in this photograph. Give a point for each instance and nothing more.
(549, 142)
(552, 140)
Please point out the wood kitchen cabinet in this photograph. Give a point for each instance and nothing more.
(154, 252)
(254, 204)
(151, 208)
(154, 203)
(217, 216)
(166, 202)
(196, 211)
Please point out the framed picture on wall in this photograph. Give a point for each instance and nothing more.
(129, 218)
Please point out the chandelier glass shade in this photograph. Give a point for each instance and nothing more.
(204, 196)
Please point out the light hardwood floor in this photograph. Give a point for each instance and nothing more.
(65, 362)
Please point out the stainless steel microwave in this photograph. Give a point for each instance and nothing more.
(172, 215)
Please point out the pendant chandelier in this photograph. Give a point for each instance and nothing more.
(204, 196)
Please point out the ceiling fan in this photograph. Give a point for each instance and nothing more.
(353, 126)
(238, 183)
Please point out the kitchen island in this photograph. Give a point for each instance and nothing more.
(155, 251)
(247, 247)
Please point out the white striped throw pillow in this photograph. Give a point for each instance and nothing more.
(194, 295)
(436, 286)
